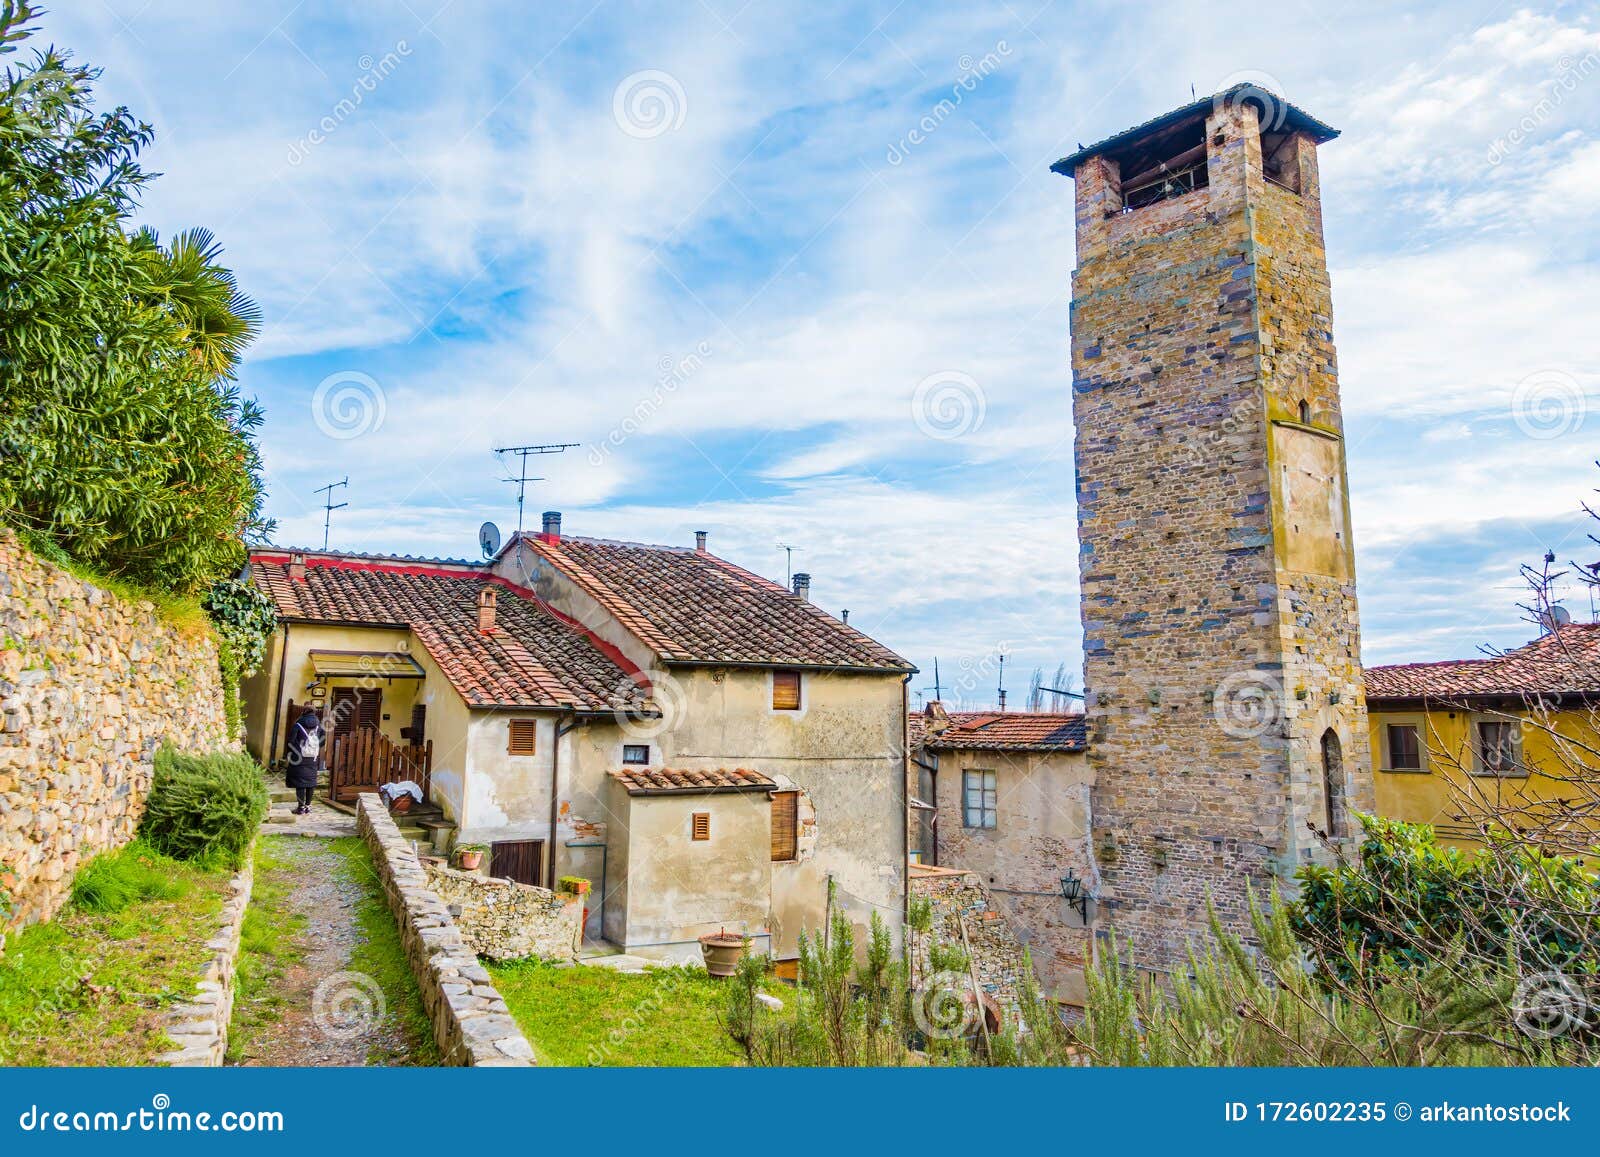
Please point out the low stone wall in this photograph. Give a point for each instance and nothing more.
(90, 686)
(504, 920)
(960, 901)
(471, 1023)
(199, 1025)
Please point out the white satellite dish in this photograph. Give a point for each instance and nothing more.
(489, 539)
(1555, 618)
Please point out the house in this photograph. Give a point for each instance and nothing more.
(705, 746)
(1453, 742)
(1006, 796)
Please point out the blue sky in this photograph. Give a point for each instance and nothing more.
(701, 241)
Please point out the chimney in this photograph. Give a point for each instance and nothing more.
(844, 616)
(802, 585)
(700, 541)
(552, 526)
(297, 568)
(486, 601)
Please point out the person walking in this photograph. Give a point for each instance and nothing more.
(303, 759)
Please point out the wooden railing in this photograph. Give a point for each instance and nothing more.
(363, 759)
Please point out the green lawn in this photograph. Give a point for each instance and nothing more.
(90, 987)
(596, 1016)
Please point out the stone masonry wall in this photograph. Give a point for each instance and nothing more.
(471, 1023)
(1198, 325)
(960, 901)
(505, 920)
(91, 685)
(198, 1026)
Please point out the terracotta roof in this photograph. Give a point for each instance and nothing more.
(1566, 662)
(693, 607)
(1011, 731)
(533, 659)
(648, 781)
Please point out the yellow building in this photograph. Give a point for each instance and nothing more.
(1513, 735)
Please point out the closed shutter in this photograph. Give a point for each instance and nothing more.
(785, 825)
(419, 723)
(786, 690)
(523, 736)
(369, 707)
(700, 826)
(519, 860)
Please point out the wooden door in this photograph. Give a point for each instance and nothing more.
(519, 860)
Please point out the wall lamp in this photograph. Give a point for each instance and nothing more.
(1072, 891)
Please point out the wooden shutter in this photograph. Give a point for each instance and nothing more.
(786, 690)
(419, 724)
(700, 825)
(369, 707)
(785, 825)
(519, 860)
(523, 737)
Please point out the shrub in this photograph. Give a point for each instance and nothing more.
(204, 807)
(111, 882)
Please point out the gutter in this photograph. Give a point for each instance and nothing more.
(905, 801)
(826, 668)
(555, 792)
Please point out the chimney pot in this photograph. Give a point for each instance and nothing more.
(486, 601)
(700, 541)
(297, 568)
(844, 616)
(552, 525)
(802, 585)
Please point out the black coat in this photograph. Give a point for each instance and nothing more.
(301, 765)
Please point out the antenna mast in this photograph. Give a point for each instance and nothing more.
(328, 506)
(1002, 680)
(788, 563)
(522, 477)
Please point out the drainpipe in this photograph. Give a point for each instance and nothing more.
(555, 790)
(905, 801)
(271, 753)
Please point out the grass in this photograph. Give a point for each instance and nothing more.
(597, 1016)
(275, 939)
(90, 987)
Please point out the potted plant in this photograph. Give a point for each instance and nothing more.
(722, 951)
(469, 857)
(575, 885)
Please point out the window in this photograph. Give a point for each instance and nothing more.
(1497, 747)
(786, 690)
(635, 753)
(1405, 747)
(523, 737)
(700, 826)
(785, 826)
(980, 799)
(1332, 784)
(1305, 412)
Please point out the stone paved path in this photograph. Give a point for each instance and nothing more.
(323, 820)
(336, 1027)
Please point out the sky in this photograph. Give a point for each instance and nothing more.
(800, 274)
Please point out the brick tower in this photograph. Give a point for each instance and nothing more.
(1222, 650)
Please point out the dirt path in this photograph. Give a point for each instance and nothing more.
(318, 985)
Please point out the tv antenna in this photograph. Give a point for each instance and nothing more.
(788, 562)
(328, 505)
(522, 477)
(1002, 689)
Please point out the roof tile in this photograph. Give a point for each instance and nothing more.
(1566, 662)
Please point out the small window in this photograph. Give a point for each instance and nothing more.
(786, 690)
(1305, 412)
(700, 826)
(785, 826)
(1497, 747)
(1405, 747)
(523, 737)
(979, 810)
(635, 753)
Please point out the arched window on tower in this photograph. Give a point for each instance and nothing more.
(1332, 784)
(1305, 411)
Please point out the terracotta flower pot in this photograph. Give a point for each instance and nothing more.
(722, 952)
(469, 861)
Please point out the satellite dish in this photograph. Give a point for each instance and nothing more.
(1555, 618)
(489, 539)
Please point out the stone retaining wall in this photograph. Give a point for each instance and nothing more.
(90, 686)
(471, 1023)
(960, 900)
(504, 920)
(199, 1025)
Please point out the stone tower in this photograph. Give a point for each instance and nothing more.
(1222, 650)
